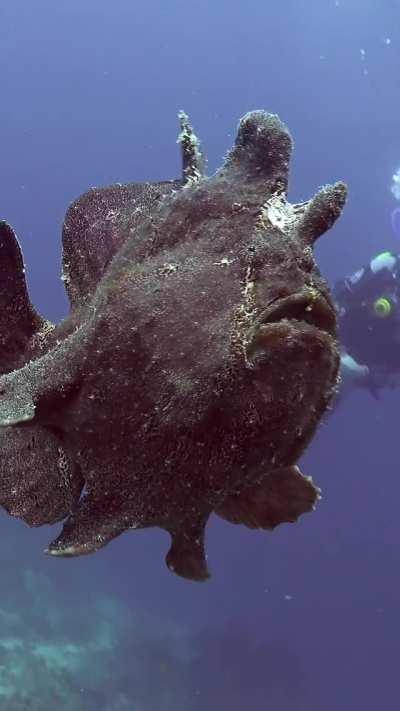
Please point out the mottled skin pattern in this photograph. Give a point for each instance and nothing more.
(198, 358)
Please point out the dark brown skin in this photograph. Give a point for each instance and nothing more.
(199, 356)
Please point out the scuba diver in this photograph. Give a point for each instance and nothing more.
(368, 305)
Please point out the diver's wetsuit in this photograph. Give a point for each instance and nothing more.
(368, 305)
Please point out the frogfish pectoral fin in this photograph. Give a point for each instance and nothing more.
(16, 402)
(186, 556)
(86, 530)
(281, 497)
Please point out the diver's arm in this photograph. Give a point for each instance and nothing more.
(352, 374)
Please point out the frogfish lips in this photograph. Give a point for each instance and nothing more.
(293, 361)
(308, 306)
(292, 352)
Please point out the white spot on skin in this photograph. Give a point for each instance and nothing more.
(111, 214)
(224, 262)
(169, 268)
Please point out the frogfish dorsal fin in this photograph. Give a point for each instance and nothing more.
(281, 497)
(18, 319)
(97, 225)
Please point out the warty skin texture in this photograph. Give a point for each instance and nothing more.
(198, 358)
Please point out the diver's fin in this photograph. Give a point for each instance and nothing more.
(186, 556)
(18, 319)
(96, 226)
(280, 498)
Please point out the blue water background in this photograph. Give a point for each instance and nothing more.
(306, 617)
